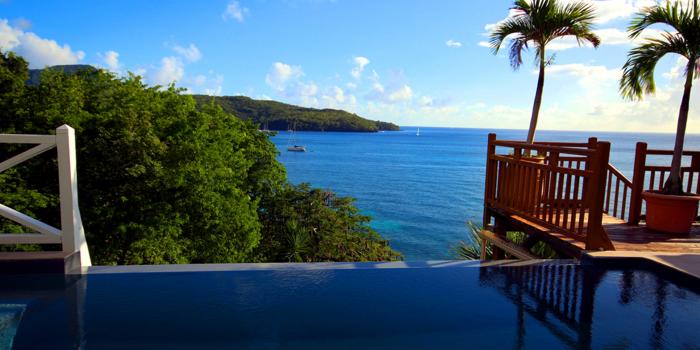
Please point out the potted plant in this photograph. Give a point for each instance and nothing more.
(670, 210)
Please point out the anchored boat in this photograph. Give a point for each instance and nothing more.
(291, 146)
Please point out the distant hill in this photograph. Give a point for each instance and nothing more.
(34, 74)
(281, 116)
(274, 115)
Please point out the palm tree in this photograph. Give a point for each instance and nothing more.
(638, 71)
(537, 23)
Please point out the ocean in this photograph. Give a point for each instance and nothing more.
(422, 190)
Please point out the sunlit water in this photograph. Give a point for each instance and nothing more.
(422, 190)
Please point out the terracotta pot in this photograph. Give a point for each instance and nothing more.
(672, 214)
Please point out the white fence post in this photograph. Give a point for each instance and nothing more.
(71, 224)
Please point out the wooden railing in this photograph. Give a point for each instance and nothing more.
(652, 177)
(70, 236)
(618, 192)
(561, 188)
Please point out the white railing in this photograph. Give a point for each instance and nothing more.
(71, 235)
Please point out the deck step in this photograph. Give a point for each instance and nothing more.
(510, 248)
(38, 262)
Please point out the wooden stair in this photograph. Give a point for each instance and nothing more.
(510, 248)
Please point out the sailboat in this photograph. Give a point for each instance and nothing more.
(418, 132)
(266, 130)
(291, 147)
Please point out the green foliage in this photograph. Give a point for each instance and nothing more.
(539, 22)
(281, 116)
(306, 224)
(471, 249)
(160, 180)
(638, 71)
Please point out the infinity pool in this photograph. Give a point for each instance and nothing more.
(442, 305)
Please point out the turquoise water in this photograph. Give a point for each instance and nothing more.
(421, 190)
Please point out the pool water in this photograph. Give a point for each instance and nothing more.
(431, 306)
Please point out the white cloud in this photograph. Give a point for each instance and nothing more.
(402, 93)
(397, 91)
(280, 74)
(596, 83)
(339, 94)
(190, 53)
(200, 80)
(286, 80)
(235, 11)
(211, 84)
(609, 10)
(171, 70)
(453, 43)
(9, 37)
(111, 60)
(389, 95)
(360, 63)
(678, 69)
(37, 51)
(608, 36)
(304, 89)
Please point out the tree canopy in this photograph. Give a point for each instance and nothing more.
(162, 181)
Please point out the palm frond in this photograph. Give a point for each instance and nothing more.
(518, 25)
(669, 15)
(471, 249)
(638, 71)
(536, 23)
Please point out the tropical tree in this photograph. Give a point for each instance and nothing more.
(537, 23)
(638, 71)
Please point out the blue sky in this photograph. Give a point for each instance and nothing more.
(410, 62)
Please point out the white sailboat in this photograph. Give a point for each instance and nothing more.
(291, 146)
(418, 132)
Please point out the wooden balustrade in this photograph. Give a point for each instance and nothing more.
(562, 187)
(618, 192)
(650, 177)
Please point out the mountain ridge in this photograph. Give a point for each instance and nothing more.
(275, 115)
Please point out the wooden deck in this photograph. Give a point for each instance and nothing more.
(571, 198)
(626, 237)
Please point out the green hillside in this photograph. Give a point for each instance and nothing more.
(282, 116)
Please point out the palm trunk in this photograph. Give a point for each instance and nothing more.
(538, 101)
(674, 184)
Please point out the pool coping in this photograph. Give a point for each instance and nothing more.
(432, 264)
(684, 265)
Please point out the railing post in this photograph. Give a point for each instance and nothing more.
(592, 145)
(640, 160)
(490, 181)
(73, 236)
(596, 237)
